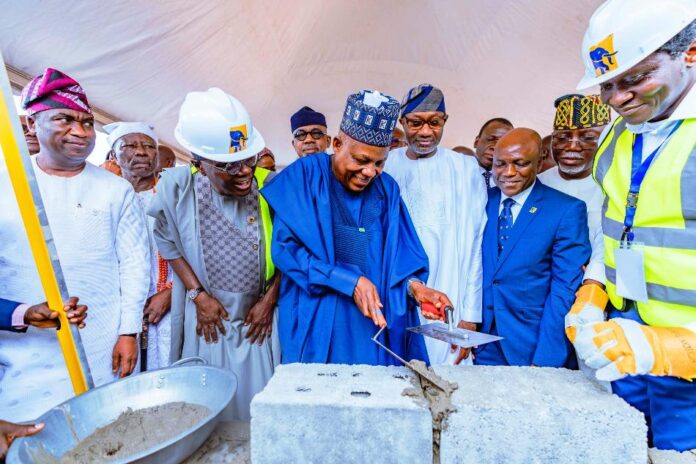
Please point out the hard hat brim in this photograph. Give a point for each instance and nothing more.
(256, 144)
(586, 82)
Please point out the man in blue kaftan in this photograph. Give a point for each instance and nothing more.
(350, 258)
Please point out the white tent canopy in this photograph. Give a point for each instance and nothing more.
(137, 60)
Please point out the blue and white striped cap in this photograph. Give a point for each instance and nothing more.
(370, 117)
(423, 98)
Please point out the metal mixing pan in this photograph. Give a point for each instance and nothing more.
(75, 419)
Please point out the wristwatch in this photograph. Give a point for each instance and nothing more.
(193, 293)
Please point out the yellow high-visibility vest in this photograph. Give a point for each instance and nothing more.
(267, 223)
(665, 221)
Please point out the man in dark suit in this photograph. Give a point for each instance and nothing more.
(16, 317)
(534, 248)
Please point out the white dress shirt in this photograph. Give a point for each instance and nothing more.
(519, 199)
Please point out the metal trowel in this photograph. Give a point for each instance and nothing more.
(447, 332)
(420, 369)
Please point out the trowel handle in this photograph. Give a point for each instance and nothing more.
(444, 312)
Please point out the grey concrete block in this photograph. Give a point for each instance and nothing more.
(671, 457)
(538, 415)
(317, 413)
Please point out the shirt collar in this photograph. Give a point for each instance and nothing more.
(521, 197)
(685, 110)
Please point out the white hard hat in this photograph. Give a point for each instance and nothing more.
(216, 126)
(622, 33)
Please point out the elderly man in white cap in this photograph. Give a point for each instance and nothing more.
(134, 149)
(447, 203)
(215, 230)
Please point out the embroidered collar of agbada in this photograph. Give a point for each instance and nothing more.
(54, 90)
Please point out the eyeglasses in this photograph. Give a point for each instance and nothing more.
(586, 141)
(234, 167)
(302, 135)
(435, 123)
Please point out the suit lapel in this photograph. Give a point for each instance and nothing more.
(529, 211)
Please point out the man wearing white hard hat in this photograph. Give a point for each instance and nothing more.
(642, 54)
(134, 148)
(215, 231)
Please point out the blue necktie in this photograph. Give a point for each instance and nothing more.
(505, 224)
(487, 176)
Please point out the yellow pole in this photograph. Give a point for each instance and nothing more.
(21, 173)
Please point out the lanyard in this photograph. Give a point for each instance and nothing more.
(638, 172)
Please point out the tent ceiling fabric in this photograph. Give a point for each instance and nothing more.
(137, 60)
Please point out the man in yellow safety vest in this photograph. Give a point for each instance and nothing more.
(646, 166)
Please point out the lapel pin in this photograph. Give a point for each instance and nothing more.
(533, 209)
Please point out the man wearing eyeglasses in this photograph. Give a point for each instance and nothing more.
(447, 202)
(577, 127)
(309, 134)
(215, 231)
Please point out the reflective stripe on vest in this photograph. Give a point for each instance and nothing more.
(267, 223)
(665, 221)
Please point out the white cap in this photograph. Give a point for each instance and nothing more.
(117, 130)
(622, 33)
(216, 126)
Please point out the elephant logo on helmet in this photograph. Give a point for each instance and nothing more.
(602, 56)
(238, 138)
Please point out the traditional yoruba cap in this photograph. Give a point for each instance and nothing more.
(306, 116)
(423, 98)
(576, 111)
(370, 117)
(54, 90)
(117, 130)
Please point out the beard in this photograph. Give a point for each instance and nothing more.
(422, 151)
(573, 170)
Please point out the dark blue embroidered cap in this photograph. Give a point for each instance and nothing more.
(370, 117)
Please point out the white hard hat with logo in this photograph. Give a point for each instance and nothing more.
(216, 126)
(622, 33)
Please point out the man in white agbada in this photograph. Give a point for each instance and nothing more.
(577, 128)
(446, 199)
(215, 231)
(134, 148)
(100, 235)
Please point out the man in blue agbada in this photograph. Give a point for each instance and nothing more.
(350, 258)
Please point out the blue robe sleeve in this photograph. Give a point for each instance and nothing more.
(313, 275)
(571, 251)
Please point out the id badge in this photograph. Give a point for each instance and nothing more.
(630, 272)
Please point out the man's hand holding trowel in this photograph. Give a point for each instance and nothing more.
(436, 305)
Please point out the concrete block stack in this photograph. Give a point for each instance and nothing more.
(316, 413)
(538, 415)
